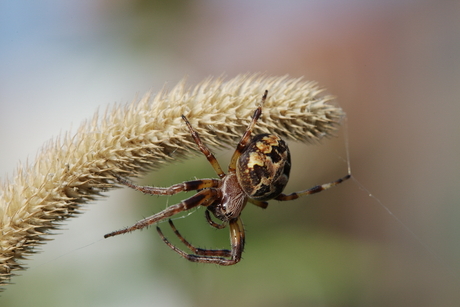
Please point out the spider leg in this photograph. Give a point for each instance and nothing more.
(202, 198)
(195, 250)
(174, 189)
(212, 223)
(247, 135)
(204, 149)
(217, 256)
(315, 189)
(259, 203)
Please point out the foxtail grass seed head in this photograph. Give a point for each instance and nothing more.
(143, 135)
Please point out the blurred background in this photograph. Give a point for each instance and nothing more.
(395, 68)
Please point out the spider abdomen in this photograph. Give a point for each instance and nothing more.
(263, 168)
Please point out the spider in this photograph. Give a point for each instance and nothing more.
(258, 171)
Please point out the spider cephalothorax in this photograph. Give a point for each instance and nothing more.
(258, 171)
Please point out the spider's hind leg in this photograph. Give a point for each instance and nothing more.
(204, 149)
(246, 138)
(313, 190)
(259, 203)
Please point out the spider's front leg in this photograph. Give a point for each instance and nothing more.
(218, 256)
(203, 198)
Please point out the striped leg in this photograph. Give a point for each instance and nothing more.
(204, 149)
(174, 189)
(315, 189)
(203, 198)
(246, 138)
(218, 256)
